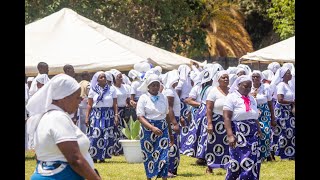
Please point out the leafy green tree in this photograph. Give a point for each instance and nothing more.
(282, 13)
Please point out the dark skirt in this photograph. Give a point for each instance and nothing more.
(155, 149)
(284, 135)
(245, 157)
(217, 152)
(101, 132)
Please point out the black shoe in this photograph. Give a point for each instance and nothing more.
(201, 162)
(102, 161)
(95, 160)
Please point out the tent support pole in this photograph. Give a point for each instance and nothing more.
(259, 65)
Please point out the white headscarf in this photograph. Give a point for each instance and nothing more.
(239, 80)
(59, 87)
(184, 71)
(94, 80)
(278, 77)
(133, 74)
(274, 66)
(125, 79)
(42, 78)
(258, 72)
(246, 68)
(232, 70)
(30, 79)
(142, 67)
(232, 78)
(218, 76)
(149, 79)
(114, 72)
(291, 67)
(206, 75)
(241, 69)
(170, 78)
(268, 74)
(109, 76)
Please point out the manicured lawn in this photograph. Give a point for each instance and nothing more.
(117, 168)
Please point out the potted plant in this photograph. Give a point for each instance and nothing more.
(131, 146)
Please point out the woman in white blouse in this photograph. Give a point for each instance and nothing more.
(61, 147)
(170, 81)
(284, 133)
(102, 116)
(217, 152)
(261, 92)
(152, 110)
(240, 115)
(123, 98)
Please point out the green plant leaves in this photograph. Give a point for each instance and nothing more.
(131, 131)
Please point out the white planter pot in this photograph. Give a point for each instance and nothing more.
(132, 150)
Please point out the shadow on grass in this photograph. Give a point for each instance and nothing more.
(113, 162)
(30, 158)
(189, 174)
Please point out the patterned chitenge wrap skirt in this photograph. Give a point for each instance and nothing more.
(202, 132)
(101, 132)
(285, 132)
(155, 149)
(188, 141)
(245, 157)
(217, 152)
(184, 113)
(174, 153)
(265, 126)
(118, 132)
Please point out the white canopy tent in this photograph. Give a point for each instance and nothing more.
(282, 52)
(66, 37)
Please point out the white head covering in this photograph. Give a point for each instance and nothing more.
(218, 76)
(206, 75)
(30, 79)
(278, 76)
(57, 88)
(291, 67)
(109, 76)
(232, 70)
(157, 70)
(114, 72)
(149, 79)
(133, 74)
(42, 78)
(258, 72)
(184, 71)
(246, 68)
(142, 67)
(232, 78)
(170, 78)
(239, 80)
(268, 74)
(241, 69)
(274, 66)
(94, 79)
(125, 79)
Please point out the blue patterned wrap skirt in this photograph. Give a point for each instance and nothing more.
(155, 149)
(245, 157)
(284, 135)
(101, 132)
(217, 152)
(265, 126)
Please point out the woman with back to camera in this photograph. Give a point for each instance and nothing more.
(152, 110)
(240, 115)
(61, 147)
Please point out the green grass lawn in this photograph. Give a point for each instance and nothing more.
(118, 168)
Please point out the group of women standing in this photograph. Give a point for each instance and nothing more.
(232, 119)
